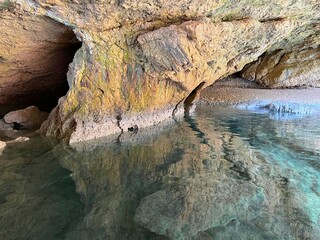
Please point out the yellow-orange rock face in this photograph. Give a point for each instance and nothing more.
(140, 59)
(286, 69)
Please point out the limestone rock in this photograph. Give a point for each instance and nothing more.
(140, 59)
(286, 69)
(182, 51)
(30, 117)
(217, 203)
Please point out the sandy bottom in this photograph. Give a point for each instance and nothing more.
(237, 92)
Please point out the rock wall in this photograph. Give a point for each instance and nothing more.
(286, 69)
(140, 59)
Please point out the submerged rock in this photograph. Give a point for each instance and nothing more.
(30, 117)
(203, 178)
(197, 205)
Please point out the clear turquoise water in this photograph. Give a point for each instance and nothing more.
(220, 174)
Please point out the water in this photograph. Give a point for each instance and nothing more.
(220, 174)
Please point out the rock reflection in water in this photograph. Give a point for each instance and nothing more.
(215, 176)
(221, 174)
(37, 196)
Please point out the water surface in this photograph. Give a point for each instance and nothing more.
(219, 174)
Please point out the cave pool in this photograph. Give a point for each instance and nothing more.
(221, 173)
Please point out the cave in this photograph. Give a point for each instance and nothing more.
(34, 65)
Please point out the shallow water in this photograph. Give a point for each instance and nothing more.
(220, 174)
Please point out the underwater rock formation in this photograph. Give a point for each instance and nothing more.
(140, 59)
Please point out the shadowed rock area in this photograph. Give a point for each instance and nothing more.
(34, 59)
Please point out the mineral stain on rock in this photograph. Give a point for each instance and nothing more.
(130, 48)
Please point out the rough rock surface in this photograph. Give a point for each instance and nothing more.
(142, 58)
(30, 117)
(286, 69)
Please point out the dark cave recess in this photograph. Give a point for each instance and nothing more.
(38, 76)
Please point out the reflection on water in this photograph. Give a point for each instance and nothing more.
(37, 196)
(221, 174)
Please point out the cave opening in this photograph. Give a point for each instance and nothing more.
(37, 74)
(63, 56)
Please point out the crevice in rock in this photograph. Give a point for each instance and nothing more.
(188, 102)
(272, 19)
(119, 118)
(175, 110)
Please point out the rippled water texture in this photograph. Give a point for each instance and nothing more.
(220, 174)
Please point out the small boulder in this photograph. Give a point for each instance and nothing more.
(30, 117)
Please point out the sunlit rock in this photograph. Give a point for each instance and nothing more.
(281, 104)
(19, 139)
(282, 69)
